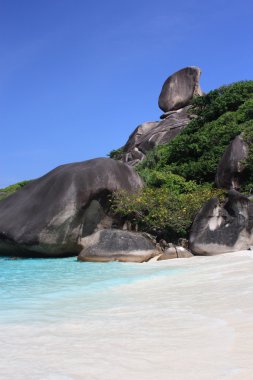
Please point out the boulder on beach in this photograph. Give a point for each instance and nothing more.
(50, 215)
(231, 165)
(224, 228)
(179, 89)
(175, 253)
(117, 245)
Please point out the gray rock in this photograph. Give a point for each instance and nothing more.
(183, 253)
(179, 89)
(175, 253)
(50, 215)
(182, 242)
(150, 134)
(167, 114)
(136, 136)
(169, 253)
(117, 245)
(224, 228)
(163, 244)
(231, 165)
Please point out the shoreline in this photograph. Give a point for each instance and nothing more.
(194, 322)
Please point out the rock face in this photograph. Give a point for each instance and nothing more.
(117, 245)
(146, 136)
(223, 228)
(179, 89)
(176, 95)
(231, 165)
(50, 215)
(132, 154)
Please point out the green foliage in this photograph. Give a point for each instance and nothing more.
(222, 100)
(116, 154)
(195, 153)
(179, 176)
(4, 193)
(173, 182)
(162, 211)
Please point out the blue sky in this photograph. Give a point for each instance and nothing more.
(77, 76)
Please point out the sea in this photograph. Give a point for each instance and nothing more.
(181, 319)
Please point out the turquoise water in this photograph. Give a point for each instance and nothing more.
(185, 319)
(46, 290)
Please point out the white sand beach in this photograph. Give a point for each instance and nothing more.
(196, 324)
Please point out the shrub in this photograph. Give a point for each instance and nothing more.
(116, 154)
(4, 193)
(179, 175)
(173, 182)
(161, 211)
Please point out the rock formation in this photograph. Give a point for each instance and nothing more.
(176, 95)
(50, 215)
(224, 228)
(231, 165)
(117, 245)
(148, 135)
(179, 89)
(66, 212)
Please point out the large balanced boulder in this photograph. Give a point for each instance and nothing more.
(175, 98)
(117, 245)
(224, 228)
(50, 215)
(179, 89)
(231, 165)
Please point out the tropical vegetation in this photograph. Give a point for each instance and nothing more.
(179, 176)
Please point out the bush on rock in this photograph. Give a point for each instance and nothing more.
(161, 211)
